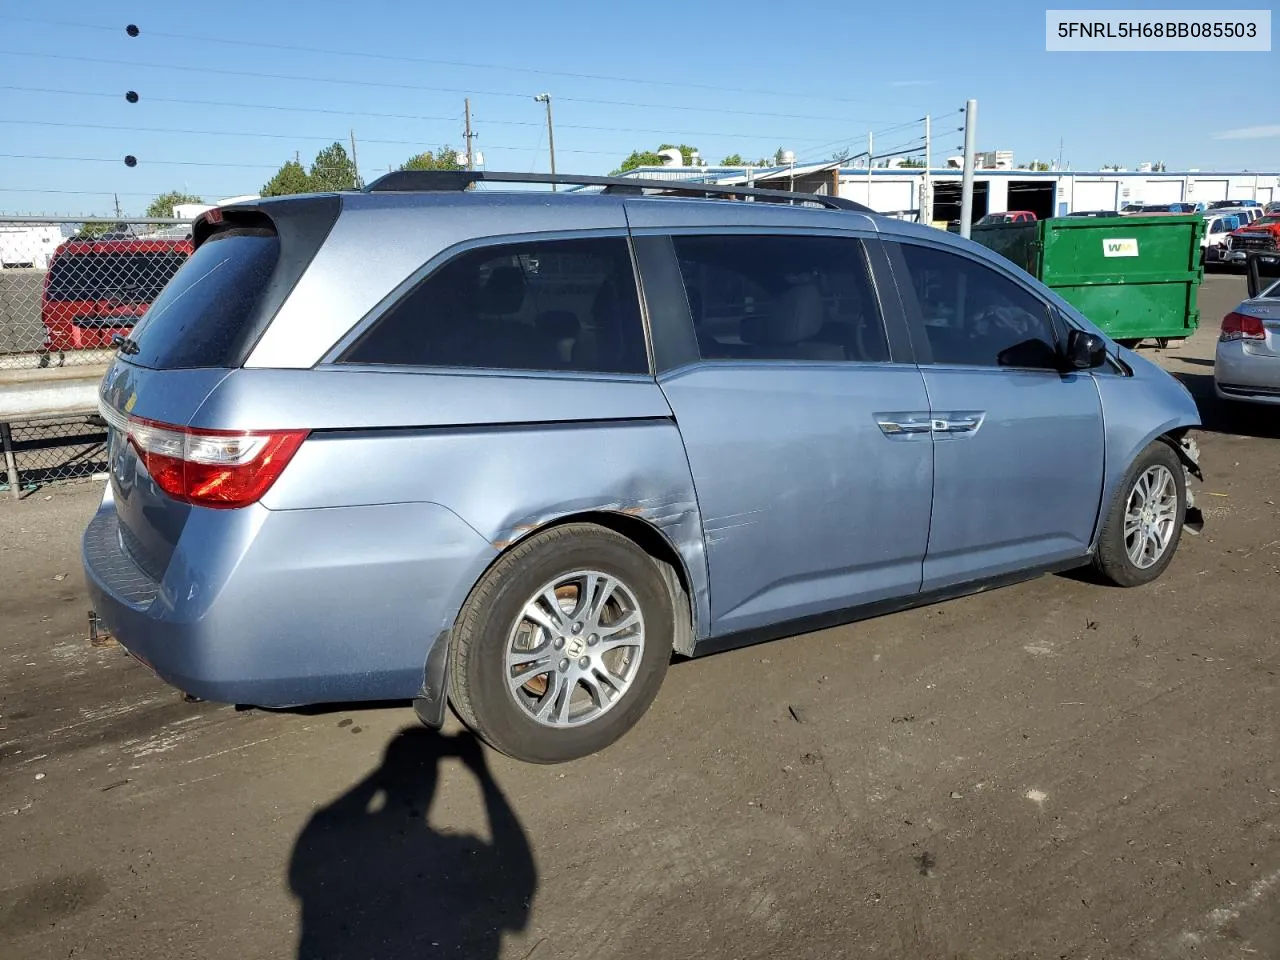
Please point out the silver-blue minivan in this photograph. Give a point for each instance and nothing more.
(513, 450)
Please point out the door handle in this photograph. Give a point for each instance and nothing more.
(958, 422)
(904, 424)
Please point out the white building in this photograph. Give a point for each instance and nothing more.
(1051, 193)
(189, 211)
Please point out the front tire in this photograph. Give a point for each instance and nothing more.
(562, 645)
(1143, 525)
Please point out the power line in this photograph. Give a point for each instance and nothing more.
(157, 163)
(408, 116)
(100, 193)
(236, 133)
(399, 58)
(258, 75)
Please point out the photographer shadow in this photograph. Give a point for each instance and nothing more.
(375, 880)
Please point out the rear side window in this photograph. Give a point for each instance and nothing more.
(198, 319)
(781, 298)
(123, 277)
(538, 305)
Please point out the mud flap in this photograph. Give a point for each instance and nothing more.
(1189, 454)
(430, 702)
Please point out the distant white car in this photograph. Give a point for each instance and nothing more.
(1217, 225)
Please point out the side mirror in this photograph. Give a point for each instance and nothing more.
(1085, 350)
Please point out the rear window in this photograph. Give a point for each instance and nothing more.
(198, 319)
(124, 277)
(538, 305)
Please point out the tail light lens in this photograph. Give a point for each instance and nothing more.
(223, 469)
(1241, 326)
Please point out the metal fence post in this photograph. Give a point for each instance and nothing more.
(10, 461)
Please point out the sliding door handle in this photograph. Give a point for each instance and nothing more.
(958, 422)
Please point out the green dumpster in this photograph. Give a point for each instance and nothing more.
(1134, 277)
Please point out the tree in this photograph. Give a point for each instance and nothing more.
(912, 162)
(733, 160)
(1111, 166)
(162, 206)
(333, 170)
(88, 231)
(654, 158)
(1039, 165)
(445, 158)
(289, 179)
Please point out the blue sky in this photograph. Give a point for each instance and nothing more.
(746, 77)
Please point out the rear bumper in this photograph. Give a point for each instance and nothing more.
(1239, 374)
(283, 608)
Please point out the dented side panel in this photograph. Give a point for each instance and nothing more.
(508, 481)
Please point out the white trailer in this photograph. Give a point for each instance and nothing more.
(24, 245)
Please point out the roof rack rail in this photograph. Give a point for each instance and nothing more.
(411, 181)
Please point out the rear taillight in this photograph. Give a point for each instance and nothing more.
(1241, 326)
(223, 469)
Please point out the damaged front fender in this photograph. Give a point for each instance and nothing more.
(1189, 453)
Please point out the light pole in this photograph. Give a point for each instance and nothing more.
(551, 135)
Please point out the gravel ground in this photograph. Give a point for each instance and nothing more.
(1053, 770)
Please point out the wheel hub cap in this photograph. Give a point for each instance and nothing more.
(1150, 515)
(575, 648)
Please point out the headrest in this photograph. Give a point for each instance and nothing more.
(503, 292)
(797, 315)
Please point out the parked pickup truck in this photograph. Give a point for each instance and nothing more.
(1261, 236)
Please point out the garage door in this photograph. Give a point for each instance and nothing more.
(1264, 195)
(891, 196)
(1167, 191)
(1208, 191)
(1092, 195)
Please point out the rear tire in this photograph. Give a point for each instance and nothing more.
(549, 612)
(1143, 525)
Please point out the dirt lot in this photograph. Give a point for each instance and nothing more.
(1054, 770)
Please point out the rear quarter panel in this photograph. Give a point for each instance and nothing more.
(506, 454)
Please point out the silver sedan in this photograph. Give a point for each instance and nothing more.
(1247, 363)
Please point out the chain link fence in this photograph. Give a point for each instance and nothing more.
(67, 287)
(51, 450)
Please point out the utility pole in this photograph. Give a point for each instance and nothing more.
(551, 136)
(466, 109)
(116, 196)
(926, 185)
(871, 159)
(966, 181)
(355, 165)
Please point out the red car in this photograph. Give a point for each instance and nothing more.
(1261, 236)
(1008, 216)
(98, 288)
